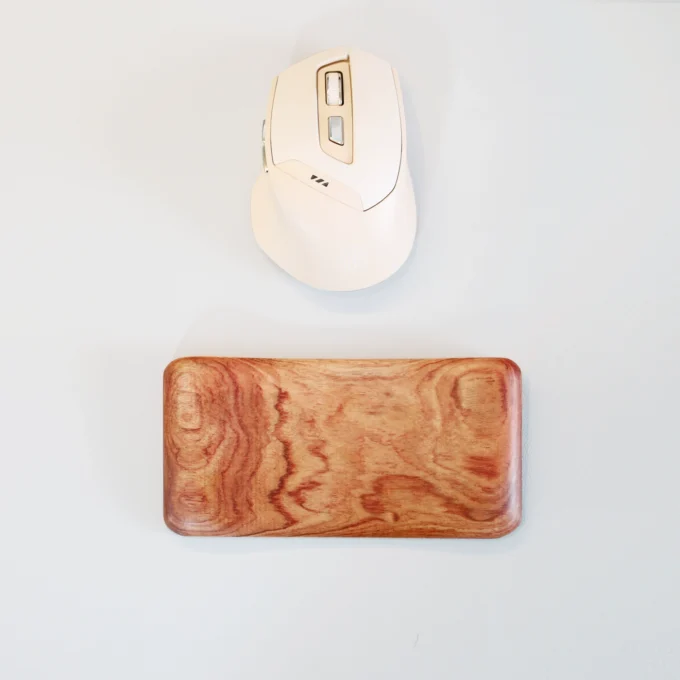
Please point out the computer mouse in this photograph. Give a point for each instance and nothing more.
(334, 204)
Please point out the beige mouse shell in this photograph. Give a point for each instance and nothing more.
(334, 204)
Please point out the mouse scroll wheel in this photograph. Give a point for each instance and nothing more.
(334, 88)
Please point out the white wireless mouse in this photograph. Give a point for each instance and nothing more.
(334, 204)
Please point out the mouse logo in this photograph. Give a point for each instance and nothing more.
(319, 180)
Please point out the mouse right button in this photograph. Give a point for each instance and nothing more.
(377, 127)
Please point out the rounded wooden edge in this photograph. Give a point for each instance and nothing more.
(513, 516)
(177, 527)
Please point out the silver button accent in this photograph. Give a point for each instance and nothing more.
(334, 88)
(336, 129)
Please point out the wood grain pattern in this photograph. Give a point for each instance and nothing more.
(275, 447)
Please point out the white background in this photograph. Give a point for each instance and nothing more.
(545, 150)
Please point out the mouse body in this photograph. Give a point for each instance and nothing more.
(334, 204)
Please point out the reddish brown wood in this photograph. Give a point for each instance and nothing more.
(274, 447)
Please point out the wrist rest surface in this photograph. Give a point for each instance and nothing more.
(392, 448)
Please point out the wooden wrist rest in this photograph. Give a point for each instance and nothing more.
(398, 448)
